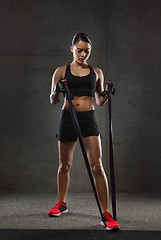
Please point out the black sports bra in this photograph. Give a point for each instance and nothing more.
(81, 85)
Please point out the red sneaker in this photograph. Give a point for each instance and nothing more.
(110, 223)
(59, 209)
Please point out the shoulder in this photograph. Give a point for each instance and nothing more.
(98, 72)
(60, 71)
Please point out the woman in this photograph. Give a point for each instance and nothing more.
(85, 83)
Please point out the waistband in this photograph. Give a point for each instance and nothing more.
(81, 112)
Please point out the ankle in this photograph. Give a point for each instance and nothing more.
(105, 211)
(62, 200)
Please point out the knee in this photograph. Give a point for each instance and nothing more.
(64, 167)
(97, 169)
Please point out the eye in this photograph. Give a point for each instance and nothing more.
(86, 51)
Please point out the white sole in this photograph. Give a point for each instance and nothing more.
(57, 215)
(102, 224)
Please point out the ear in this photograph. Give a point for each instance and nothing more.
(71, 49)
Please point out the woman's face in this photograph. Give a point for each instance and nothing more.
(81, 51)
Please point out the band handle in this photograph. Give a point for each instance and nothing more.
(110, 87)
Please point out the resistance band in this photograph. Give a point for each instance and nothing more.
(110, 90)
(70, 97)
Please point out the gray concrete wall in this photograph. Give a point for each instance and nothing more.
(35, 40)
(134, 59)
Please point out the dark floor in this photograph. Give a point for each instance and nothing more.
(134, 212)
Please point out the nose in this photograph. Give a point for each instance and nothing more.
(83, 54)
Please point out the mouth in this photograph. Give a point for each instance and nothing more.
(82, 59)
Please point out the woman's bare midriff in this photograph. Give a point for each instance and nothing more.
(80, 104)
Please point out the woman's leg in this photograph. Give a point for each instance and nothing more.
(66, 150)
(94, 153)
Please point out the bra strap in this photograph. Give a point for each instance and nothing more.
(66, 71)
(92, 69)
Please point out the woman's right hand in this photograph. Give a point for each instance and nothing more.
(57, 89)
(59, 86)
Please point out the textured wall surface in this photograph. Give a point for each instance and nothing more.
(35, 40)
(134, 59)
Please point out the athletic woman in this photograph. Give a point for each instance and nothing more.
(85, 83)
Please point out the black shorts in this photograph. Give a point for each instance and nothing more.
(87, 121)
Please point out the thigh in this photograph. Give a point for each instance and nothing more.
(94, 149)
(66, 150)
(66, 131)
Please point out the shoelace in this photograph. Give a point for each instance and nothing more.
(108, 216)
(58, 204)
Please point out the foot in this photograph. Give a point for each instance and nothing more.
(59, 209)
(110, 223)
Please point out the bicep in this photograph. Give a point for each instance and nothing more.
(100, 82)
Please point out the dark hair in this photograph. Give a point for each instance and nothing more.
(81, 36)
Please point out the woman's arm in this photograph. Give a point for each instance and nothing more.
(57, 75)
(100, 88)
